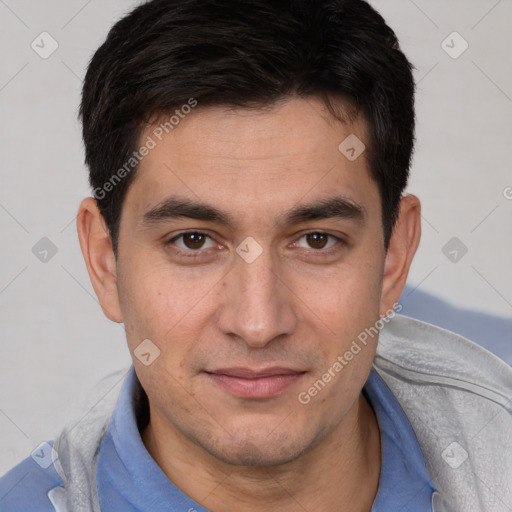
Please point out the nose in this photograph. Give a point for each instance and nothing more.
(257, 306)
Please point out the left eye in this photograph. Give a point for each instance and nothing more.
(319, 240)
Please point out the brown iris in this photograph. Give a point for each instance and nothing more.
(317, 240)
(195, 240)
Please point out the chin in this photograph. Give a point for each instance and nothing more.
(254, 454)
(264, 450)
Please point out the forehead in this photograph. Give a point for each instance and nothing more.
(257, 161)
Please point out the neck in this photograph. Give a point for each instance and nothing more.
(326, 478)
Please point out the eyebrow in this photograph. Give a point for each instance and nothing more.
(175, 207)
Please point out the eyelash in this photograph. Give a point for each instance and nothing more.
(197, 253)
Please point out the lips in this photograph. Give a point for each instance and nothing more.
(254, 384)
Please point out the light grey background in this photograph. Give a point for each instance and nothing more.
(55, 341)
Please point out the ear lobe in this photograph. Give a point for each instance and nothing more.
(99, 257)
(402, 247)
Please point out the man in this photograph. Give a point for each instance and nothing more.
(249, 228)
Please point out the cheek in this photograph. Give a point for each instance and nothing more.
(348, 304)
(348, 299)
(165, 306)
(148, 303)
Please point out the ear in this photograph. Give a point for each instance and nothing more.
(402, 247)
(99, 257)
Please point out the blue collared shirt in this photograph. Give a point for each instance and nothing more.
(129, 480)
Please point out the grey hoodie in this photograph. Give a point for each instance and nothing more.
(457, 396)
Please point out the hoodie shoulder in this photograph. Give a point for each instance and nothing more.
(420, 352)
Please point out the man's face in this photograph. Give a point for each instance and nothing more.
(242, 333)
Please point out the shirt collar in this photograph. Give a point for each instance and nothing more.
(404, 482)
(129, 479)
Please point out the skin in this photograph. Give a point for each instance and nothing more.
(291, 307)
